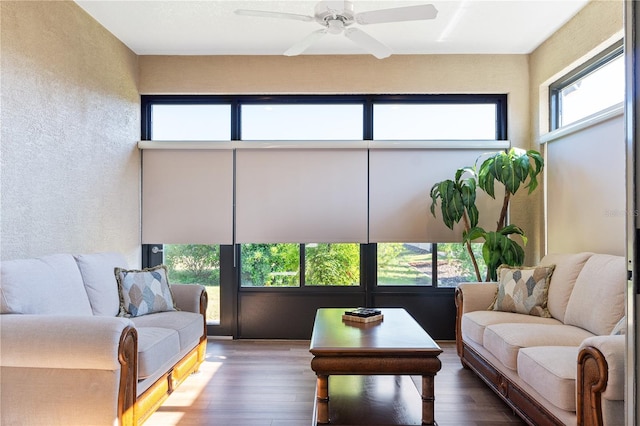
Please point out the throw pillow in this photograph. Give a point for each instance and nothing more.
(620, 328)
(144, 291)
(523, 290)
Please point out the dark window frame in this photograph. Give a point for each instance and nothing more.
(368, 252)
(368, 101)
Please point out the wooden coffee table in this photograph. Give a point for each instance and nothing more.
(395, 346)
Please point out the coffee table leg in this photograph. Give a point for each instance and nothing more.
(428, 398)
(323, 399)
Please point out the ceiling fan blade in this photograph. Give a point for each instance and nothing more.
(304, 44)
(368, 43)
(268, 14)
(398, 14)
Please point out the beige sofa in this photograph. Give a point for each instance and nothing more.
(67, 358)
(567, 369)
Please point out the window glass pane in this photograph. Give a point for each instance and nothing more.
(434, 121)
(196, 264)
(302, 122)
(455, 265)
(404, 264)
(191, 122)
(598, 90)
(332, 264)
(410, 264)
(270, 265)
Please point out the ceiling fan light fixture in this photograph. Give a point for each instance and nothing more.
(335, 26)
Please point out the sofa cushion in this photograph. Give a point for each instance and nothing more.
(523, 290)
(49, 285)
(188, 325)
(157, 347)
(598, 299)
(551, 370)
(144, 291)
(99, 281)
(505, 340)
(565, 274)
(474, 323)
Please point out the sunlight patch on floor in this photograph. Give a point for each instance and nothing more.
(174, 408)
(192, 388)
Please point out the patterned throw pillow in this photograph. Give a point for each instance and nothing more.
(523, 290)
(620, 328)
(144, 292)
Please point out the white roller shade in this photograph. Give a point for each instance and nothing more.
(301, 195)
(399, 201)
(187, 196)
(585, 182)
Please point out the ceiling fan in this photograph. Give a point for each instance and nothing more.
(337, 16)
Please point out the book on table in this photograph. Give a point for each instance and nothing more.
(362, 315)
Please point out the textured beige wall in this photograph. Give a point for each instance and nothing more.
(70, 122)
(597, 26)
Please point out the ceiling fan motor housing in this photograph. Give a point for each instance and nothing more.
(328, 11)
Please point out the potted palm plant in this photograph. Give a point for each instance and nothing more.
(513, 169)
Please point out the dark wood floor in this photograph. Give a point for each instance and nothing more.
(270, 383)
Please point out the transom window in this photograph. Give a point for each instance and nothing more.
(180, 122)
(397, 121)
(593, 87)
(301, 122)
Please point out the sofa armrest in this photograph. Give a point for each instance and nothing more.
(75, 342)
(190, 298)
(613, 349)
(78, 343)
(469, 297)
(475, 296)
(601, 374)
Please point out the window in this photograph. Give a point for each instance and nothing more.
(295, 265)
(332, 264)
(420, 263)
(270, 265)
(277, 264)
(412, 264)
(405, 264)
(280, 259)
(397, 121)
(196, 264)
(190, 122)
(591, 88)
(302, 122)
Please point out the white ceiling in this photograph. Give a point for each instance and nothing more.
(210, 27)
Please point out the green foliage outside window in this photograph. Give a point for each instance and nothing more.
(455, 265)
(404, 264)
(196, 264)
(332, 264)
(278, 265)
(270, 265)
(193, 263)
